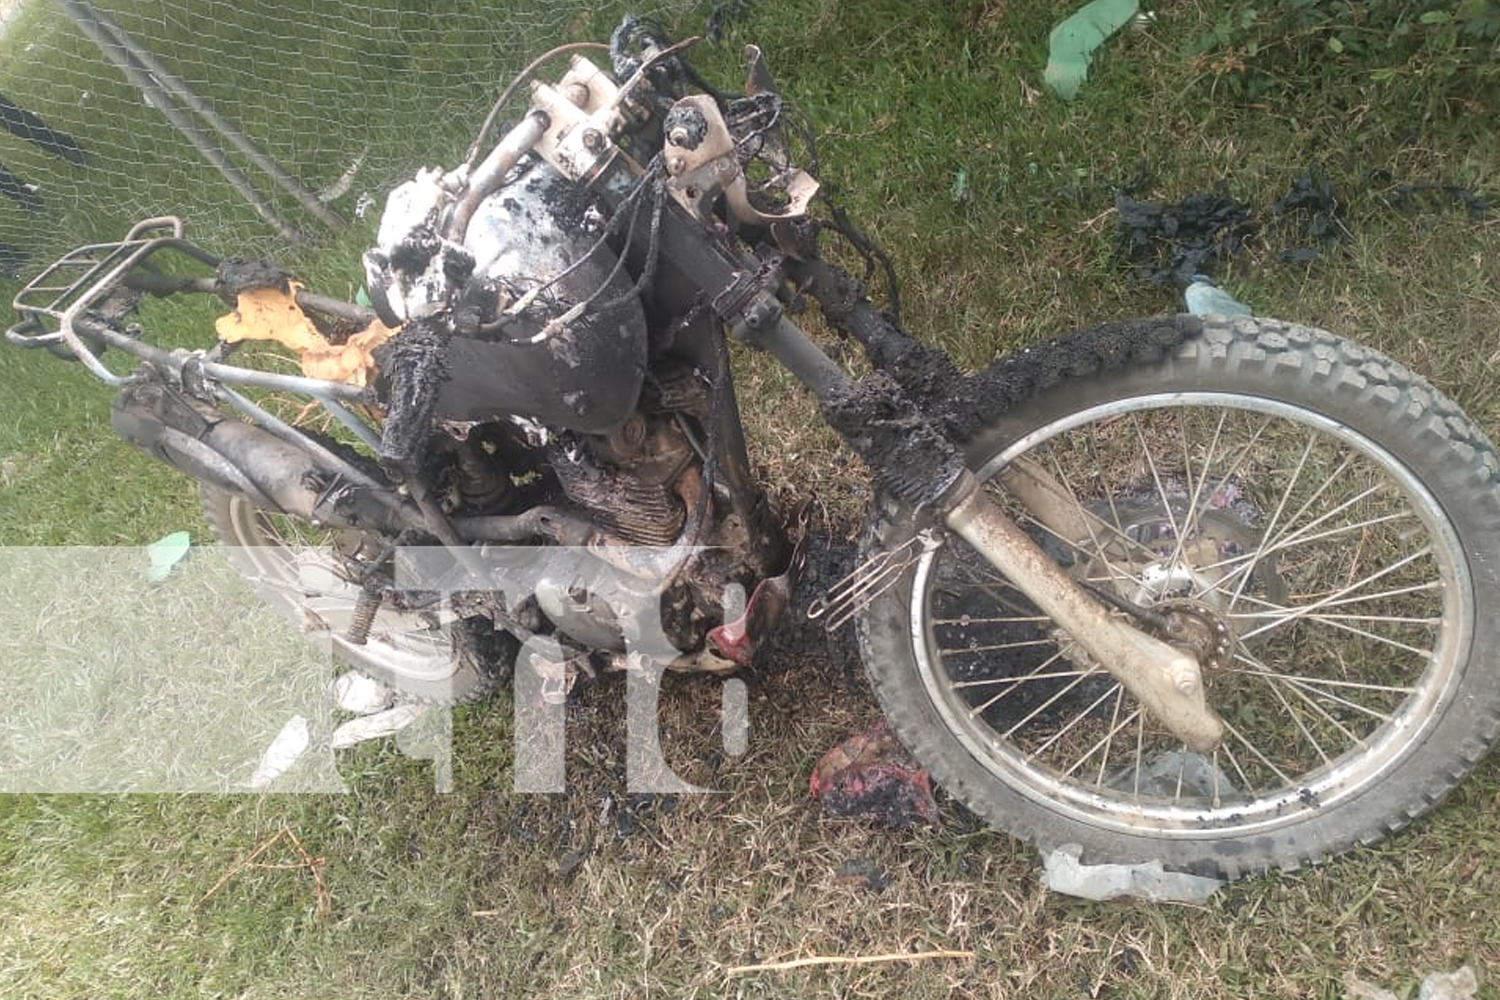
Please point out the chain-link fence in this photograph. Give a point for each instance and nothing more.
(261, 121)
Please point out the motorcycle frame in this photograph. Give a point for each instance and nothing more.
(574, 128)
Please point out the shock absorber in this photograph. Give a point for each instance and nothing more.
(365, 609)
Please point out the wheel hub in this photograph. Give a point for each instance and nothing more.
(1188, 584)
(1197, 629)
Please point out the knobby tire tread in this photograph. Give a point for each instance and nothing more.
(1276, 360)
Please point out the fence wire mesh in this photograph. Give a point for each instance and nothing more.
(117, 110)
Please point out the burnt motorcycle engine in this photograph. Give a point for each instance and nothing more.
(523, 326)
(528, 309)
(631, 480)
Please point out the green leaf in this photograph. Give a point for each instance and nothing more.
(1074, 40)
(166, 553)
(1436, 17)
(1335, 45)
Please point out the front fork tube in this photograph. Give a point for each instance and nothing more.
(1164, 679)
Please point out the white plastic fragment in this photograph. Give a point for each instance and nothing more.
(360, 693)
(292, 742)
(1460, 984)
(373, 727)
(1204, 298)
(1063, 872)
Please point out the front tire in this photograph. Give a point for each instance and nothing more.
(1325, 509)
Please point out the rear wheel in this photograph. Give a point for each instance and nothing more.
(309, 576)
(1314, 522)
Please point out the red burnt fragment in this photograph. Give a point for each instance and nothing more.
(871, 775)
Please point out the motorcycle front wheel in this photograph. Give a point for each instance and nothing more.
(307, 575)
(1317, 524)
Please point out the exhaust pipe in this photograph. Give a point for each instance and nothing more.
(197, 439)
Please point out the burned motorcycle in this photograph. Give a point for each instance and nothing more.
(1208, 591)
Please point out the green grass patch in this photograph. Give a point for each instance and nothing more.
(996, 202)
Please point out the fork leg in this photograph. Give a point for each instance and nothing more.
(1165, 680)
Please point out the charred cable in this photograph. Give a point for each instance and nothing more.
(742, 114)
(653, 241)
(873, 255)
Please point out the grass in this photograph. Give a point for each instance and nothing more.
(598, 893)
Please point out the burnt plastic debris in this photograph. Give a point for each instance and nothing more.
(871, 776)
(412, 363)
(722, 16)
(1410, 199)
(239, 274)
(1169, 242)
(1314, 212)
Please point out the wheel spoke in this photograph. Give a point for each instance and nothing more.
(1271, 678)
(1281, 613)
(1296, 717)
(1090, 519)
(1239, 566)
(1223, 479)
(1156, 481)
(1266, 536)
(1297, 613)
(967, 620)
(979, 710)
(1029, 678)
(1282, 541)
(1255, 752)
(1075, 721)
(1048, 703)
(1316, 688)
(998, 646)
(1260, 670)
(1095, 549)
(1107, 741)
(1318, 554)
(1234, 762)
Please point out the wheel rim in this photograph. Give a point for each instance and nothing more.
(1335, 571)
(299, 568)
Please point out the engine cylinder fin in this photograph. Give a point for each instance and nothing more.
(640, 512)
